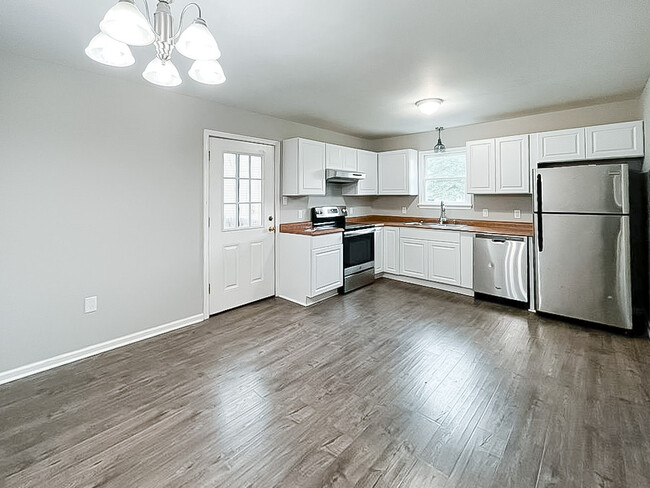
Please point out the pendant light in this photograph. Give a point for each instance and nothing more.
(124, 24)
(439, 147)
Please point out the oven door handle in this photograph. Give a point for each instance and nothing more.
(360, 232)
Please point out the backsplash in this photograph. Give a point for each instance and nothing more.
(291, 211)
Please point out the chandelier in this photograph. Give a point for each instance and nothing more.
(124, 24)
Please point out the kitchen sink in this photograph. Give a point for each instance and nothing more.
(429, 225)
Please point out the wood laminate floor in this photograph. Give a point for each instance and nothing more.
(391, 386)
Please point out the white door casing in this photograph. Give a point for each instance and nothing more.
(241, 232)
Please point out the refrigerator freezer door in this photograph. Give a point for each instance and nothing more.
(583, 267)
(590, 189)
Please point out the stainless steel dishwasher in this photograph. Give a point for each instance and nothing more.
(501, 266)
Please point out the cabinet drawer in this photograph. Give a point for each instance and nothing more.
(327, 240)
(430, 234)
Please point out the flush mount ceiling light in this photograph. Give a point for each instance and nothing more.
(429, 106)
(124, 24)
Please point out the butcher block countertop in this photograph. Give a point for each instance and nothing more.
(477, 226)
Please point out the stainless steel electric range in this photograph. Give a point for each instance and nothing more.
(358, 246)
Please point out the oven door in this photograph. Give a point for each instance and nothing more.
(358, 250)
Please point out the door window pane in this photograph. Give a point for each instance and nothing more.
(244, 215)
(244, 166)
(256, 167)
(230, 191)
(230, 216)
(229, 165)
(256, 190)
(244, 191)
(256, 215)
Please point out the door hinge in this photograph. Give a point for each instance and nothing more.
(208, 288)
(208, 221)
(209, 155)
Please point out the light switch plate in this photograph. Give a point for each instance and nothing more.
(285, 200)
(403, 210)
(301, 214)
(486, 213)
(517, 214)
(90, 304)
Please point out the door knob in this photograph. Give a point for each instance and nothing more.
(272, 229)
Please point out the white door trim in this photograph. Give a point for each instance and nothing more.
(207, 134)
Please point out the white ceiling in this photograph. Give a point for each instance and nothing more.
(358, 66)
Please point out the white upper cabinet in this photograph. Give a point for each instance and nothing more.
(481, 166)
(623, 140)
(558, 145)
(303, 167)
(512, 165)
(366, 163)
(398, 172)
(340, 157)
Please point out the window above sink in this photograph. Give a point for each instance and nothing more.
(443, 176)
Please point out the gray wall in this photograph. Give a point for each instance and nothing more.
(100, 194)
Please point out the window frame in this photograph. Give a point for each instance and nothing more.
(237, 178)
(422, 203)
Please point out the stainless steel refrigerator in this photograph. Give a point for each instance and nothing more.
(583, 246)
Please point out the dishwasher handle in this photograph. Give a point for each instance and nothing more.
(500, 239)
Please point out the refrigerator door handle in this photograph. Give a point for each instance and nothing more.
(540, 236)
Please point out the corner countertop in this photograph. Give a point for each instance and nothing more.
(477, 226)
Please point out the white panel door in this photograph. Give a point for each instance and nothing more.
(326, 269)
(413, 257)
(241, 232)
(512, 167)
(444, 262)
(379, 250)
(623, 140)
(559, 145)
(391, 250)
(481, 168)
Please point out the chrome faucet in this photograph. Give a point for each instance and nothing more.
(443, 213)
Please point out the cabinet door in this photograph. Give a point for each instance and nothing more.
(512, 167)
(398, 172)
(481, 167)
(444, 262)
(623, 140)
(333, 156)
(558, 145)
(326, 269)
(367, 163)
(391, 250)
(311, 167)
(349, 158)
(466, 259)
(379, 250)
(413, 257)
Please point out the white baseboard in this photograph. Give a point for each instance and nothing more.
(310, 301)
(431, 284)
(69, 357)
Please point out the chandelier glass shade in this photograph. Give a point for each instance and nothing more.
(125, 25)
(106, 50)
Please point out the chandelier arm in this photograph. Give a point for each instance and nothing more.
(148, 12)
(180, 23)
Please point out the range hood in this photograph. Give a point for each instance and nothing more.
(343, 176)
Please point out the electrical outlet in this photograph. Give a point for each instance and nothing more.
(285, 200)
(403, 210)
(486, 212)
(517, 214)
(301, 214)
(90, 304)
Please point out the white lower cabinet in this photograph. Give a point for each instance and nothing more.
(413, 258)
(326, 269)
(391, 250)
(379, 250)
(440, 256)
(309, 267)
